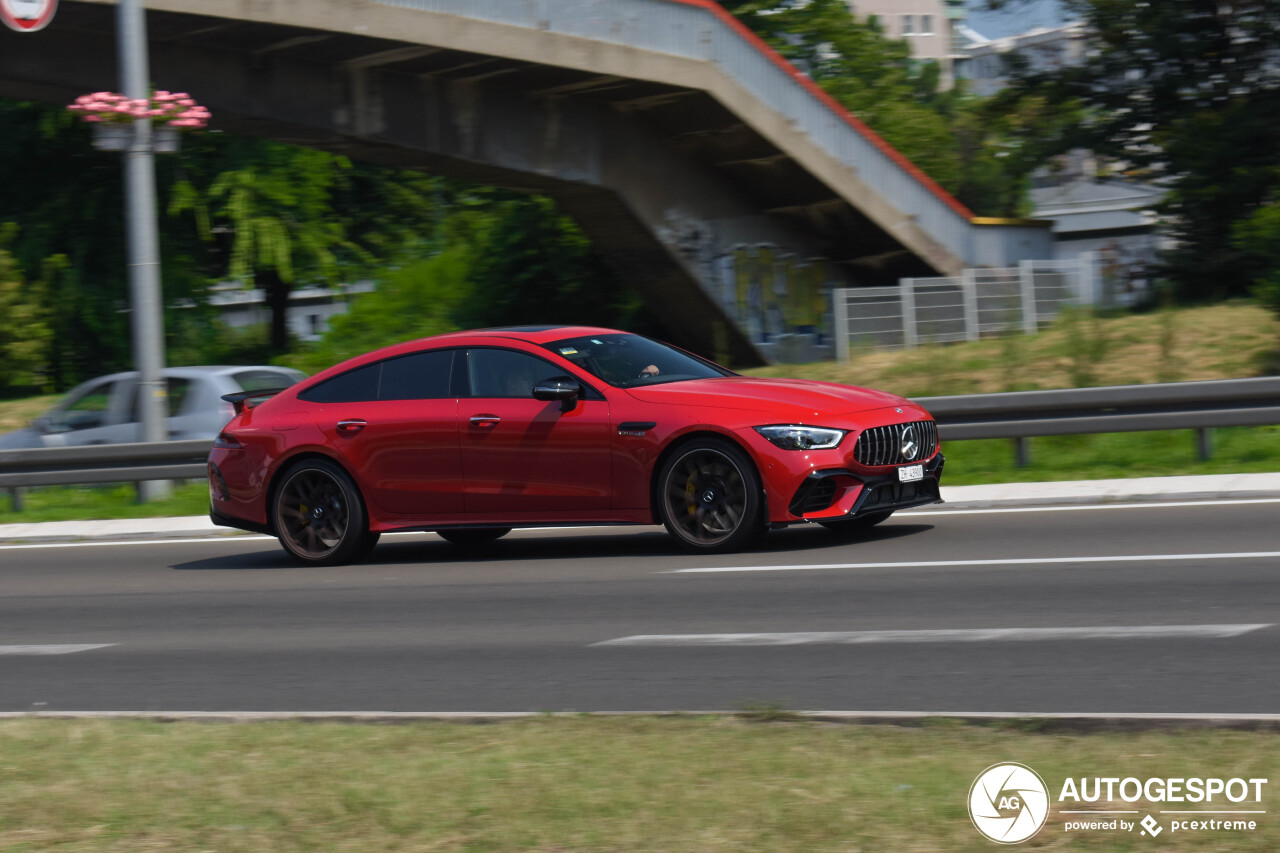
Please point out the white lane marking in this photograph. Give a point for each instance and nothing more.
(941, 635)
(1108, 504)
(56, 649)
(117, 542)
(258, 538)
(1017, 561)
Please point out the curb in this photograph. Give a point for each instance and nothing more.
(1029, 721)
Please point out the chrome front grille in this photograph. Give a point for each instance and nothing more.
(883, 445)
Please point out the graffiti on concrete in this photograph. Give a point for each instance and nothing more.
(769, 291)
(775, 292)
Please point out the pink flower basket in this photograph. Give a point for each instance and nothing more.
(112, 116)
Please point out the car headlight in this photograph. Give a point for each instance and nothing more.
(793, 437)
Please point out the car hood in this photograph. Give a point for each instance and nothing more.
(20, 440)
(797, 399)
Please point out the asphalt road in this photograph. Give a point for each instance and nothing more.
(1181, 604)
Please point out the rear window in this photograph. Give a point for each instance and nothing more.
(354, 386)
(262, 380)
(417, 376)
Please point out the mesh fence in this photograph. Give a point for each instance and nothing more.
(979, 303)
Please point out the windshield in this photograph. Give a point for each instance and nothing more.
(627, 361)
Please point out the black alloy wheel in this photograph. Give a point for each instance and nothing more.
(854, 526)
(481, 536)
(320, 516)
(710, 498)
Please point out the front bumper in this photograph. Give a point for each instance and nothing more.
(837, 493)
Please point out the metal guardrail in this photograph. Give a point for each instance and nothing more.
(104, 463)
(1114, 408)
(1018, 415)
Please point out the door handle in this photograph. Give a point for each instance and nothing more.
(485, 420)
(351, 426)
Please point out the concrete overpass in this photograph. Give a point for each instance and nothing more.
(724, 185)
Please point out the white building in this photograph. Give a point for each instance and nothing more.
(310, 308)
(934, 29)
(984, 61)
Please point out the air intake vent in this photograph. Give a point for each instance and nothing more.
(814, 495)
(884, 445)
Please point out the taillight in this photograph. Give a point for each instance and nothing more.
(227, 442)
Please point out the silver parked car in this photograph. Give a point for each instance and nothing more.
(105, 410)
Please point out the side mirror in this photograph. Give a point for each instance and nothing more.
(46, 425)
(566, 389)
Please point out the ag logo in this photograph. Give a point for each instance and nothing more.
(1008, 803)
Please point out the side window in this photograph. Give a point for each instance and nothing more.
(354, 386)
(88, 410)
(506, 373)
(420, 376)
(176, 394)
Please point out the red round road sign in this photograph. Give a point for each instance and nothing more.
(27, 16)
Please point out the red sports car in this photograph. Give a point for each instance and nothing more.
(475, 433)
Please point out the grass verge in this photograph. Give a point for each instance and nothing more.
(570, 784)
(73, 503)
(16, 414)
(1229, 341)
(1236, 450)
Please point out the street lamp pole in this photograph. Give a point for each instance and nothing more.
(147, 315)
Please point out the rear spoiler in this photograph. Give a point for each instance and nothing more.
(240, 399)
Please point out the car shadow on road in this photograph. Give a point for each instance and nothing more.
(584, 544)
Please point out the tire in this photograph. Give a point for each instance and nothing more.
(320, 516)
(367, 545)
(481, 536)
(710, 498)
(854, 526)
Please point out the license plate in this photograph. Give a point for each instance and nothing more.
(910, 473)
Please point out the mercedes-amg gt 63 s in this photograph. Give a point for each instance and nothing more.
(475, 433)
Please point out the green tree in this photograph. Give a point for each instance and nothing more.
(66, 199)
(413, 301)
(872, 76)
(24, 327)
(970, 149)
(277, 216)
(532, 264)
(278, 212)
(1259, 235)
(1186, 92)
